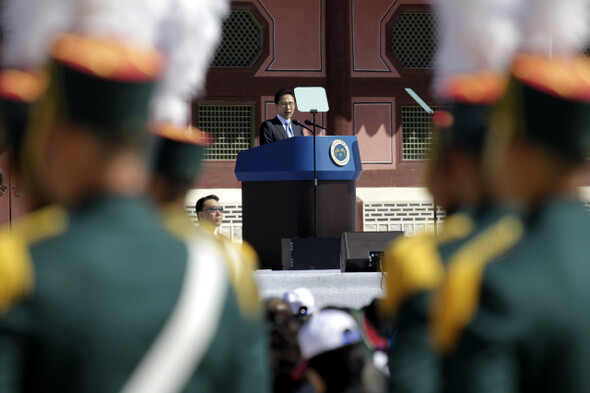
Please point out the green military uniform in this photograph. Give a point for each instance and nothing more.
(414, 269)
(92, 312)
(417, 269)
(495, 223)
(530, 329)
(253, 343)
(177, 160)
(416, 362)
(517, 311)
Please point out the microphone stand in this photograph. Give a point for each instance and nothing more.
(315, 182)
(315, 176)
(312, 123)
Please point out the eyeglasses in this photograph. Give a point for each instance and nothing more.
(214, 209)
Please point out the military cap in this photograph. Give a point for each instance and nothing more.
(548, 101)
(179, 152)
(464, 125)
(103, 84)
(19, 89)
(469, 98)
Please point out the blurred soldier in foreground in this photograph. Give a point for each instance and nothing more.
(415, 266)
(98, 296)
(75, 282)
(179, 150)
(525, 305)
(178, 157)
(514, 303)
(469, 83)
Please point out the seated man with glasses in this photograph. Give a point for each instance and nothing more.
(281, 127)
(210, 213)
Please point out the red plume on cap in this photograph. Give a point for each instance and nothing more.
(109, 59)
(190, 135)
(568, 78)
(442, 119)
(22, 86)
(480, 88)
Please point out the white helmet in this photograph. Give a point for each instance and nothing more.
(326, 331)
(301, 301)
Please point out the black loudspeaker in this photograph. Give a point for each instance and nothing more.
(362, 251)
(304, 253)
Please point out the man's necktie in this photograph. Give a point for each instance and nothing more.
(289, 129)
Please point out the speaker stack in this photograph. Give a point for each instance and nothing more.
(363, 251)
(352, 252)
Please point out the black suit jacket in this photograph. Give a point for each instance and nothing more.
(272, 130)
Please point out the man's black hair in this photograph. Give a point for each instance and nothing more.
(281, 93)
(201, 202)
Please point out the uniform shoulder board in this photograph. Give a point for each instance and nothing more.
(16, 268)
(177, 222)
(241, 263)
(456, 226)
(456, 301)
(41, 224)
(412, 265)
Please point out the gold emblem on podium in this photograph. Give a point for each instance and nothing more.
(339, 152)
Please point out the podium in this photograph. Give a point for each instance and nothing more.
(278, 191)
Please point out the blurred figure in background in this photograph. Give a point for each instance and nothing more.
(336, 361)
(301, 302)
(284, 348)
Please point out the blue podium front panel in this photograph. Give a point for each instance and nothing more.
(337, 158)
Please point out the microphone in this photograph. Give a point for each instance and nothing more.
(298, 123)
(311, 123)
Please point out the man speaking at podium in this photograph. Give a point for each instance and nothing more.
(281, 126)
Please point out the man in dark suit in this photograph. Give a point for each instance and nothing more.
(281, 127)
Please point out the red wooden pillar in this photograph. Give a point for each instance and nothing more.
(338, 66)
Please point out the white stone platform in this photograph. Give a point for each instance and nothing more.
(329, 287)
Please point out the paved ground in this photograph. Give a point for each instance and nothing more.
(329, 287)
